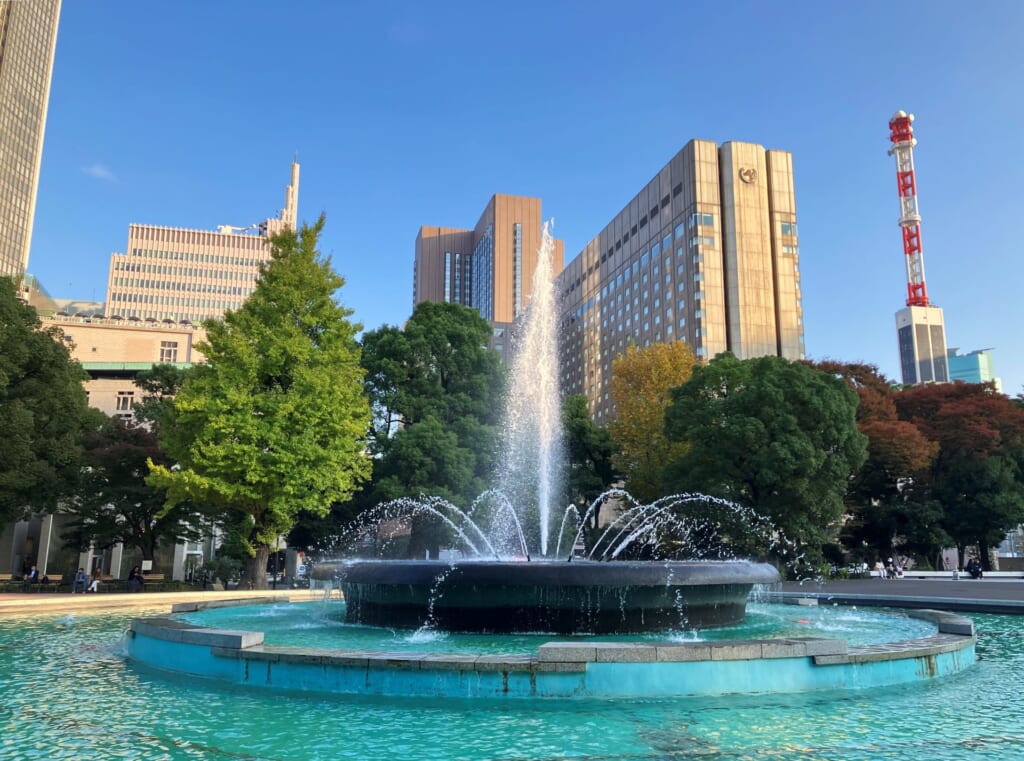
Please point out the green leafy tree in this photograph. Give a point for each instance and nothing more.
(978, 475)
(888, 512)
(275, 422)
(158, 385)
(589, 449)
(436, 393)
(43, 411)
(642, 380)
(776, 435)
(115, 504)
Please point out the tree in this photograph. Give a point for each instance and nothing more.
(978, 475)
(776, 435)
(115, 504)
(436, 392)
(43, 411)
(640, 388)
(159, 385)
(275, 422)
(888, 511)
(589, 449)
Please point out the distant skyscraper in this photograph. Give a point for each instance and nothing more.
(170, 274)
(490, 267)
(28, 39)
(973, 367)
(707, 252)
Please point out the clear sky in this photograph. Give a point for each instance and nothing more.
(187, 114)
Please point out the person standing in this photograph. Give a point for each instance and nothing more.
(79, 580)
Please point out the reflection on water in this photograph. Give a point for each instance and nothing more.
(67, 694)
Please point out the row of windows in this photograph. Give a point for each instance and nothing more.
(183, 301)
(697, 219)
(188, 256)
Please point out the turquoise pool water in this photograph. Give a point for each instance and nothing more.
(319, 625)
(67, 694)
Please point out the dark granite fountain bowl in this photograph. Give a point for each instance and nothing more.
(561, 597)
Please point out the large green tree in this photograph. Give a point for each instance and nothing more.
(275, 422)
(115, 504)
(978, 475)
(43, 411)
(436, 390)
(776, 435)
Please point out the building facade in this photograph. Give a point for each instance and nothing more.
(490, 267)
(175, 275)
(28, 40)
(707, 252)
(921, 333)
(973, 367)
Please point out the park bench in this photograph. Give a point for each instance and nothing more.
(7, 581)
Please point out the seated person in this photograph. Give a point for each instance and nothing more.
(30, 578)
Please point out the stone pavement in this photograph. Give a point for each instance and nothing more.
(49, 603)
(970, 595)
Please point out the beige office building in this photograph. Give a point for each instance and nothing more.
(707, 253)
(490, 267)
(28, 39)
(169, 274)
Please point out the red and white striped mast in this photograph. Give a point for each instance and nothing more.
(901, 133)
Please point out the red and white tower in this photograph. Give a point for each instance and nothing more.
(901, 133)
(920, 327)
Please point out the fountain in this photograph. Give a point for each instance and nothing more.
(505, 585)
(507, 576)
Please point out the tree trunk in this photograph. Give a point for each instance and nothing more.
(983, 551)
(256, 569)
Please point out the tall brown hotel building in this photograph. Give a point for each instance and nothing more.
(707, 253)
(490, 267)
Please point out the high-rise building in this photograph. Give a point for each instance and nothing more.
(973, 367)
(921, 333)
(490, 267)
(28, 39)
(707, 252)
(169, 274)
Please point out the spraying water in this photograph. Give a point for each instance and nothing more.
(533, 453)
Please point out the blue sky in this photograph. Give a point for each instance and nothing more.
(187, 114)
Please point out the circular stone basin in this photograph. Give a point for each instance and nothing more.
(558, 597)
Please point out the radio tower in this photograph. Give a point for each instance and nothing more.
(920, 327)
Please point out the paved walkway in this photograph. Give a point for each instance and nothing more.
(48, 603)
(971, 595)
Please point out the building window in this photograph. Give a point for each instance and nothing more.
(447, 276)
(517, 253)
(124, 401)
(168, 351)
(789, 228)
